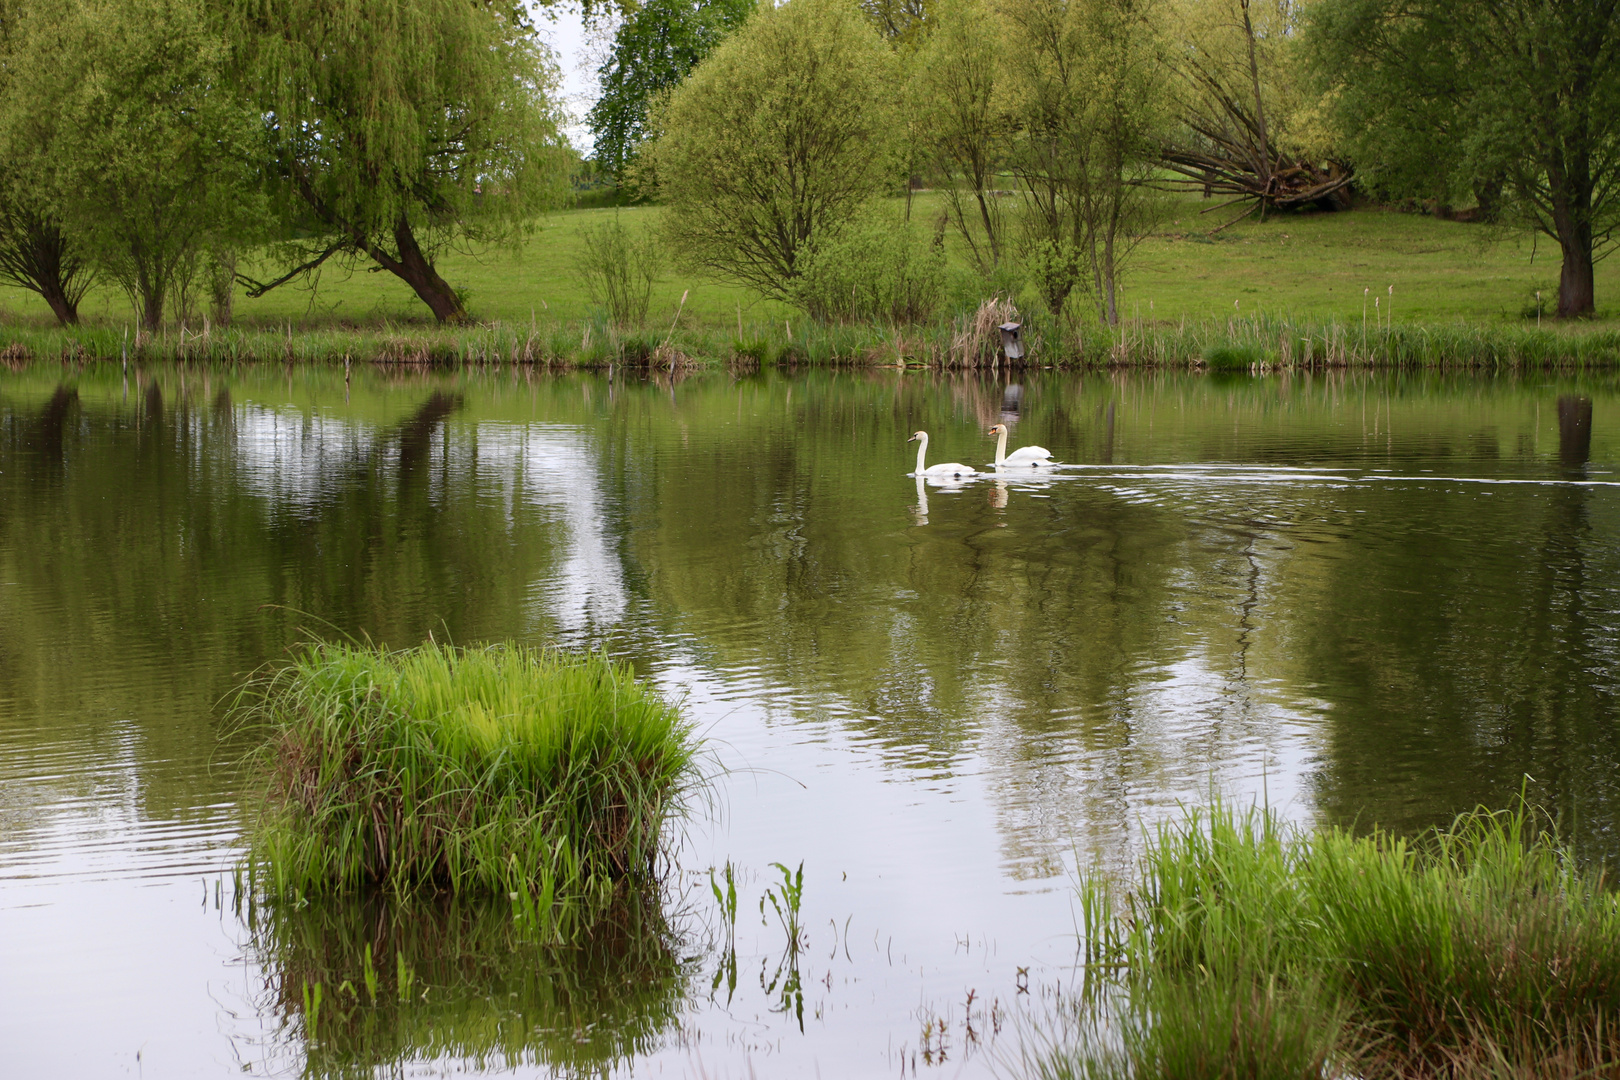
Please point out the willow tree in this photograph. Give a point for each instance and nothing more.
(36, 252)
(1249, 126)
(783, 132)
(399, 128)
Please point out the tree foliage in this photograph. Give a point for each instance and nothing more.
(900, 21)
(131, 145)
(785, 130)
(966, 133)
(397, 127)
(1440, 98)
(653, 50)
(1085, 89)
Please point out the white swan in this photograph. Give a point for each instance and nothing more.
(1025, 455)
(949, 468)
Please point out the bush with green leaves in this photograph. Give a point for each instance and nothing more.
(618, 267)
(873, 269)
(784, 132)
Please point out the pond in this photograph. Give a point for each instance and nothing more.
(1363, 598)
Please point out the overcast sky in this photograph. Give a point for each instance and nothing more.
(564, 29)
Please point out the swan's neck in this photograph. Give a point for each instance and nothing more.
(1001, 446)
(922, 448)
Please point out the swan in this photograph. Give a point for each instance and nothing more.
(949, 468)
(1024, 455)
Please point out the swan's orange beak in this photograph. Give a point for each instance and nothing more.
(912, 439)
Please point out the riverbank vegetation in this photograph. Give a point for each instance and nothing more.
(819, 181)
(508, 771)
(1258, 342)
(1246, 947)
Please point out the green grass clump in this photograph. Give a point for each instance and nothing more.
(1232, 357)
(1248, 948)
(506, 769)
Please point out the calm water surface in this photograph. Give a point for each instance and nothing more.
(1363, 598)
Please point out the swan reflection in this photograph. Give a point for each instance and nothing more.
(1018, 478)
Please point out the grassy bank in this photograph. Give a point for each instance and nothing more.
(1321, 267)
(1368, 286)
(502, 770)
(1246, 948)
(1254, 342)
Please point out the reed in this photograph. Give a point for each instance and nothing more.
(533, 773)
(970, 340)
(1246, 947)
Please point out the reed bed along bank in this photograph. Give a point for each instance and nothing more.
(1255, 342)
(1248, 948)
(541, 775)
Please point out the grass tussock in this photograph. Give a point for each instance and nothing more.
(1247, 948)
(533, 773)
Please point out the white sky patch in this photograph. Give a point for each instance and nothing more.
(580, 51)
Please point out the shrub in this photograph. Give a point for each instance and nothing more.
(782, 133)
(872, 269)
(618, 269)
(1232, 357)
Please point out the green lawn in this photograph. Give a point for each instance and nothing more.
(1315, 266)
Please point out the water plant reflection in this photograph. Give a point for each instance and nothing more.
(455, 980)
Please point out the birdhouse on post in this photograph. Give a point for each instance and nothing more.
(1012, 341)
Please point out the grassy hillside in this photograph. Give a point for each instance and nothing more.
(1313, 266)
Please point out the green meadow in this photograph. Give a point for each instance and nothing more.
(1191, 289)
(1313, 265)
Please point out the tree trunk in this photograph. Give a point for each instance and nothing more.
(1569, 179)
(989, 228)
(1108, 280)
(1575, 287)
(65, 310)
(152, 309)
(416, 270)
